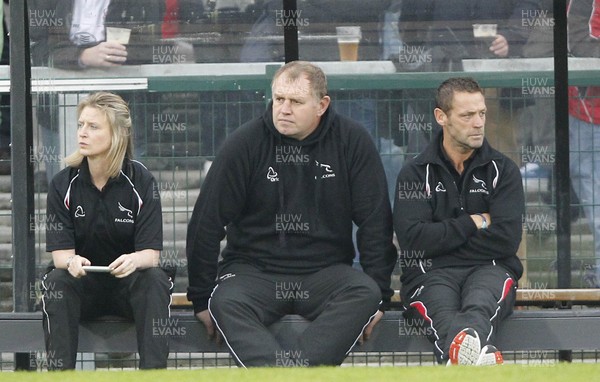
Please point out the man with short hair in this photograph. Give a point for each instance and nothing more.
(287, 187)
(458, 218)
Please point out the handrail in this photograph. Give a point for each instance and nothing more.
(360, 75)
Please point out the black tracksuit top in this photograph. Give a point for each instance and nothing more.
(288, 206)
(432, 218)
(102, 225)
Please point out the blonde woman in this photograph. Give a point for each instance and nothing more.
(107, 238)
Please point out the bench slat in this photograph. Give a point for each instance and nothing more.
(579, 296)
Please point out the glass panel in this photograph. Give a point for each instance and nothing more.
(194, 74)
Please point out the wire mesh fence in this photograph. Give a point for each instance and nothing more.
(192, 361)
(178, 135)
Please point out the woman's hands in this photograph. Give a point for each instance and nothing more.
(75, 264)
(124, 265)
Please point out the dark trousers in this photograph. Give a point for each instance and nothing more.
(448, 300)
(143, 296)
(339, 301)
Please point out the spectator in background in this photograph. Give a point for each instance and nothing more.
(457, 217)
(178, 14)
(316, 21)
(537, 119)
(287, 187)
(72, 34)
(438, 34)
(390, 33)
(107, 213)
(584, 124)
(391, 141)
(445, 29)
(537, 124)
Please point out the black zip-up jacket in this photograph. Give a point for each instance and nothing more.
(288, 206)
(432, 218)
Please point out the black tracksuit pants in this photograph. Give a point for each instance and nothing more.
(448, 300)
(339, 301)
(143, 296)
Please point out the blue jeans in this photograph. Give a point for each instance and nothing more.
(584, 145)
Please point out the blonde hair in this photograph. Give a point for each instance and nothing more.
(119, 119)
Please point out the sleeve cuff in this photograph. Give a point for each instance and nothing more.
(384, 306)
(468, 224)
(200, 305)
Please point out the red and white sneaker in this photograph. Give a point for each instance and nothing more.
(490, 355)
(465, 348)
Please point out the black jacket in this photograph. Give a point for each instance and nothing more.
(288, 206)
(432, 218)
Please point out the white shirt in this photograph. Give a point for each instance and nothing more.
(87, 25)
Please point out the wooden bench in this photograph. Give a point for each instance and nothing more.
(525, 297)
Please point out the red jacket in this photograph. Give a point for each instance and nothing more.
(584, 41)
(584, 103)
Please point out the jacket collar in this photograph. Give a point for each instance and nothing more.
(85, 176)
(317, 135)
(433, 152)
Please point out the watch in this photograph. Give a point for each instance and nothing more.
(484, 224)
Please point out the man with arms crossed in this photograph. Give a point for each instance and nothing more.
(459, 230)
